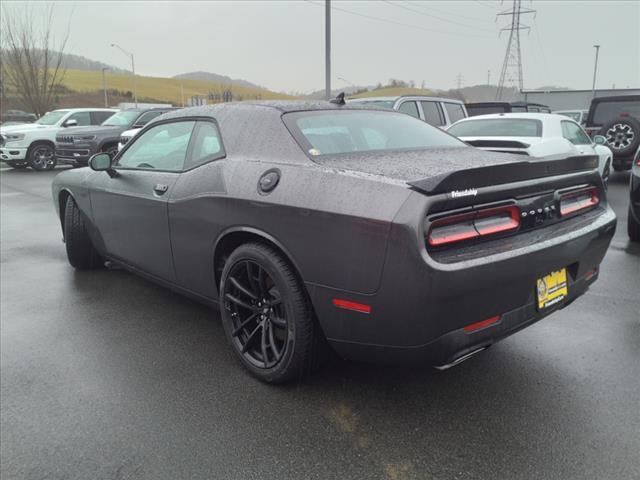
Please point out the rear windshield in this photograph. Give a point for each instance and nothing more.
(485, 110)
(334, 132)
(607, 111)
(497, 127)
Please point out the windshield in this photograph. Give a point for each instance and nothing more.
(121, 119)
(51, 118)
(330, 132)
(606, 111)
(497, 127)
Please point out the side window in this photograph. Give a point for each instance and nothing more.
(455, 111)
(98, 117)
(432, 113)
(83, 118)
(574, 133)
(147, 117)
(206, 145)
(409, 107)
(162, 147)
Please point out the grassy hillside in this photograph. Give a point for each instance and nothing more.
(157, 88)
(393, 91)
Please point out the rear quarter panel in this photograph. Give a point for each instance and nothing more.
(333, 226)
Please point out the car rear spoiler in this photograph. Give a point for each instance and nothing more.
(498, 143)
(475, 178)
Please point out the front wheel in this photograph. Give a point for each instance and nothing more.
(266, 315)
(80, 250)
(41, 157)
(633, 227)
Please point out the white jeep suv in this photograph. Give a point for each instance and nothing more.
(33, 144)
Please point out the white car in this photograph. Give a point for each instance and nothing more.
(126, 136)
(545, 136)
(33, 144)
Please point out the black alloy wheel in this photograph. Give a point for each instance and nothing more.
(266, 314)
(42, 157)
(258, 317)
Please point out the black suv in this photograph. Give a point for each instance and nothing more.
(486, 108)
(618, 120)
(76, 145)
(633, 220)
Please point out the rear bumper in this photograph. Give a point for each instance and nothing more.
(419, 312)
(457, 344)
(13, 154)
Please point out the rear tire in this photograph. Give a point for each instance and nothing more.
(266, 315)
(80, 251)
(633, 227)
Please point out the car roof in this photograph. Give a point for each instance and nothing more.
(617, 98)
(523, 115)
(409, 97)
(85, 110)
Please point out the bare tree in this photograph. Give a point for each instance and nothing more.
(30, 58)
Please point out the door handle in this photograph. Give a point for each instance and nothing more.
(160, 188)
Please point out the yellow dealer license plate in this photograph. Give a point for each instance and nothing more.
(552, 289)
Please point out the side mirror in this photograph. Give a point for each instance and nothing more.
(599, 140)
(71, 123)
(102, 162)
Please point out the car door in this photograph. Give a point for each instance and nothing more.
(432, 113)
(130, 207)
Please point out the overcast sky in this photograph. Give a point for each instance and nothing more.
(281, 44)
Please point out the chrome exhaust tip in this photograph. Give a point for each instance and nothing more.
(460, 359)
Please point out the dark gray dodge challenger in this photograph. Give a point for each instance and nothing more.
(319, 223)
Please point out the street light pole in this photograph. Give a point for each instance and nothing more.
(133, 70)
(327, 49)
(595, 70)
(104, 86)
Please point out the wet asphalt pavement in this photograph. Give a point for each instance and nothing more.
(107, 376)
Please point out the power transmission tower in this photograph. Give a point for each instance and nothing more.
(511, 74)
(459, 80)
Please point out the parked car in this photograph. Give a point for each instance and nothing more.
(32, 144)
(541, 135)
(17, 117)
(633, 218)
(618, 120)
(387, 237)
(486, 108)
(128, 134)
(76, 146)
(436, 111)
(579, 116)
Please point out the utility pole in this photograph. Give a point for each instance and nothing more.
(511, 73)
(488, 77)
(133, 71)
(182, 93)
(104, 86)
(595, 70)
(327, 49)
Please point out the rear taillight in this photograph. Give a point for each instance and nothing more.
(476, 224)
(576, 201)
